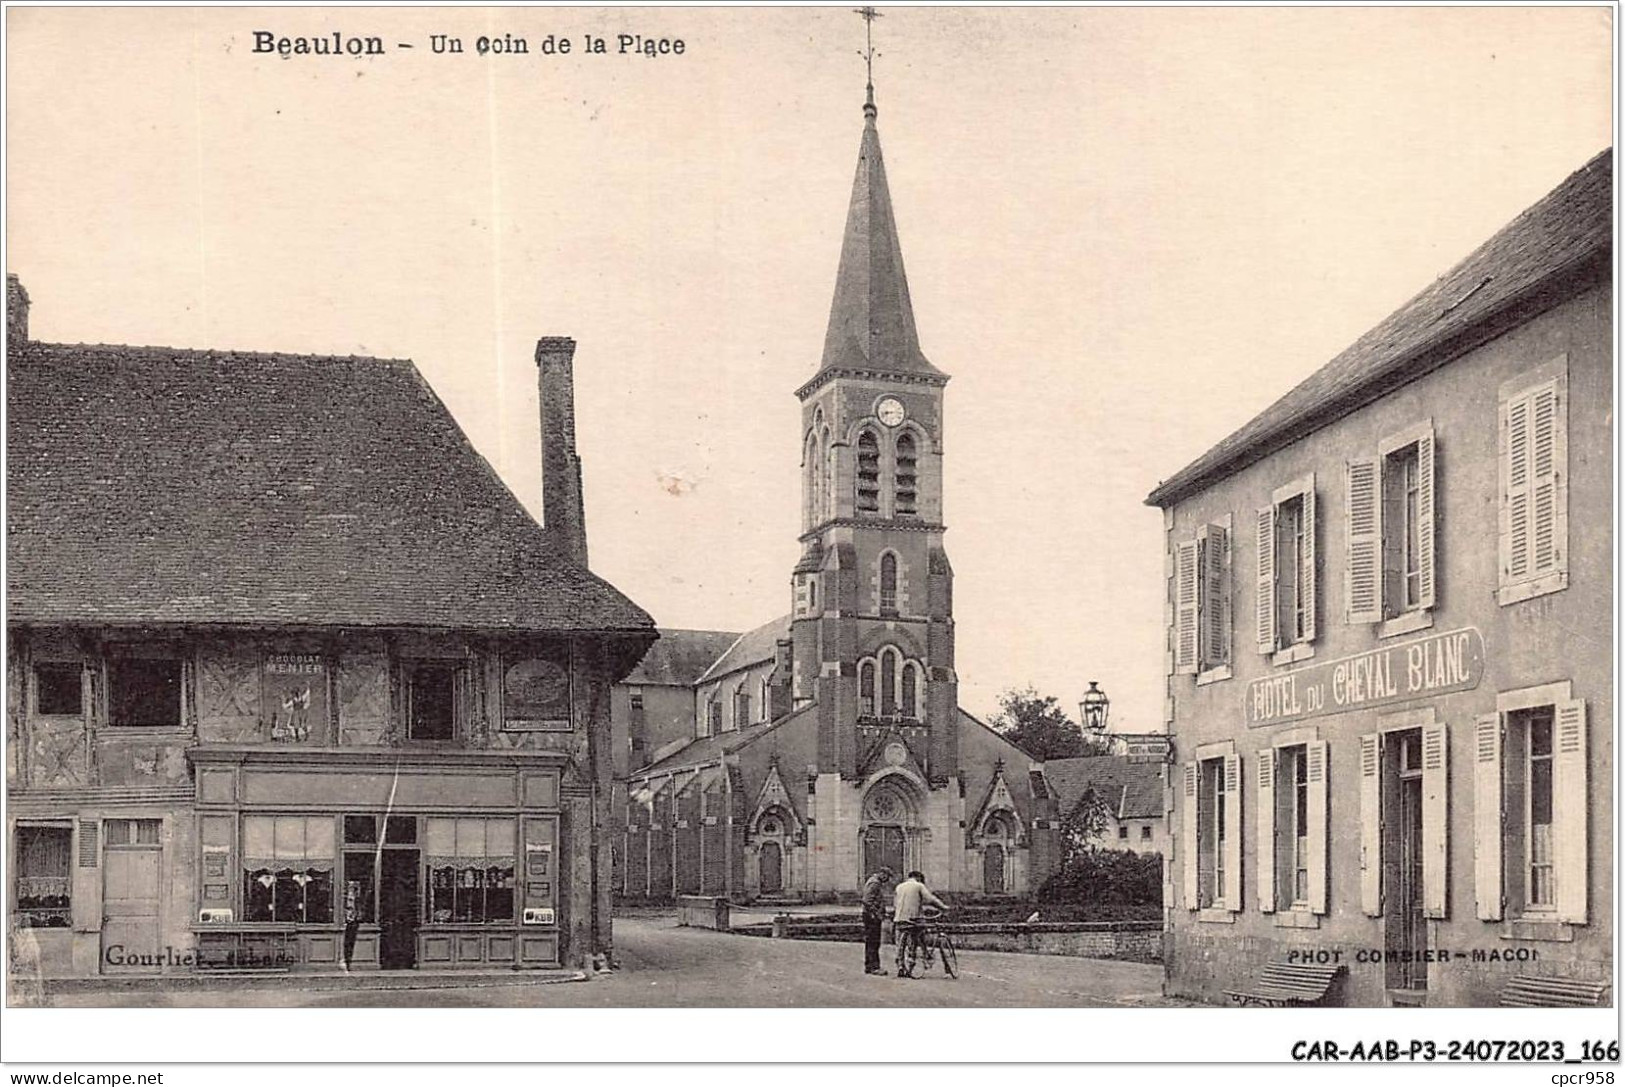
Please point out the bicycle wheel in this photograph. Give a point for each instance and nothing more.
(926, 957)
(950, 957)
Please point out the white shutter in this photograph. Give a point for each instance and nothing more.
(1487, 846)
(1428, 594)
(1435, 820)
(1363, 598)
(1188, 839)
(1543, 427)
(1371, 824)
(1232, 832)
(1319, 762)
(1213, 647)
(1266, 580)
(1185, 609)
(1515, 491)
(1570, 811)
(1266, 831)
(1306, 577)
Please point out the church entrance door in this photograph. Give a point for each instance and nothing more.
(771, 862)
(882, 848)
(993, 869)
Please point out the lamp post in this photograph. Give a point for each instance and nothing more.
(1093, 708)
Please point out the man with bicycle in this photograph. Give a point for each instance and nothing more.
(908, 907)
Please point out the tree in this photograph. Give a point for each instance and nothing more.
(1084, 824)
(1037, 724)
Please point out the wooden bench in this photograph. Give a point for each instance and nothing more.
(1528, 991)
(1288, 984)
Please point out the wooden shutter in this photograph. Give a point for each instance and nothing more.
(1570, 811)
(1188, 839)
(1266, 830)
(1306, 576)
(1185, 608)
(1371, 824)
(1363, 598)
(1266, 580)
(1428, 593)
(1319, 763)
(1544, 424)
(1487, 816)
(1515, 490)
(1213, 648)
(1435, 820)
(1232, 832)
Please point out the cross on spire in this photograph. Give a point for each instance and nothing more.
(869, 15)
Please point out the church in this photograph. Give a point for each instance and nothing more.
(830, 742)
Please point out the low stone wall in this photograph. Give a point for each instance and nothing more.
(1138, 941)
(703, 911)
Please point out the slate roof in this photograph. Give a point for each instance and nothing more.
(871, 319)
(1133, 790)
(680, 657)
(708, 749)
(159, 485)
(1525, 268)
(752, 647)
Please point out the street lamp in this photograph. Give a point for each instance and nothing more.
(1092, 710)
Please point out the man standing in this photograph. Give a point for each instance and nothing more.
(874, 913)
(912, 897)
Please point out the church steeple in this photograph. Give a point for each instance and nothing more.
(871, 320)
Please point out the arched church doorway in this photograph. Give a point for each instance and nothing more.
(998, 835)
(771, 860)
(771, 832)
(993, 869)
(890, 822)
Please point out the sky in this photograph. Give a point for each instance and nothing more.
(1126, 231)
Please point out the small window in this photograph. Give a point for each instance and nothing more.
(433, 702)
(137, 832)
(866, 688)
(1122, 833)
(59, 690)
(636, 696)
(911, 690)
(44, 881)
(1145, 833)
(888, 584)
(401, 830)
(713, 718)
(144, 693)
(360, 830)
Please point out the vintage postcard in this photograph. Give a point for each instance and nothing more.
(566, 508)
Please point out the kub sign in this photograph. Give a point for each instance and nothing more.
(1437, 664)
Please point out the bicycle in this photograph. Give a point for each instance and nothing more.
(935, 942)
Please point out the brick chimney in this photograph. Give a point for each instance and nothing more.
(16, 310)
(562, 513)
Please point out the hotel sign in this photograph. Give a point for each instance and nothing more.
(1437, 664)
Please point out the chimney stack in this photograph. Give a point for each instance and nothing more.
(562, 514)
(16, 310)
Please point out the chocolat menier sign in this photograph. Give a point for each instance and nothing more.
(1437, 664)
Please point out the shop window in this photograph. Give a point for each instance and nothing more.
(44, 882)
(59, 690)
(1287, 570)
(432, 702)
(470, 870)
(906, 477)
(360, 830)
(288, 868)
(1534, 504)
(868, 475)
(401, 830)
(143, 692)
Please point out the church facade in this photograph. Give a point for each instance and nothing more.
(831, 743)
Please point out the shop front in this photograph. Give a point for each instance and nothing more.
(322, 859)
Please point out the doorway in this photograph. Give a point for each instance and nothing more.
(771, 861)
(1405, 933)
(130, 888)
(882, 848)
(398, 909)
(993, 869)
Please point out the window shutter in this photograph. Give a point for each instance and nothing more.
(1363, 598)
(1427, 595)
(1214, 599)
(1266, 830)
(89, 842)
(1319, 771)
(1232, 832)
(1515, 491)
(1436, 820)
(1266, 580)
(1311, 625)
(1371, 824)
(1185, 610)
(1544, 423)
(1487, 816)
(1187, 841)
(1570, 826)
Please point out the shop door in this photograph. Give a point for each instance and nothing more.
(771, 861)
(130, 905)
(1405, 928)
(398, 910)
(993, 869)
(883, 848)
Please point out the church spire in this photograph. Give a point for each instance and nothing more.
(871, 320)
